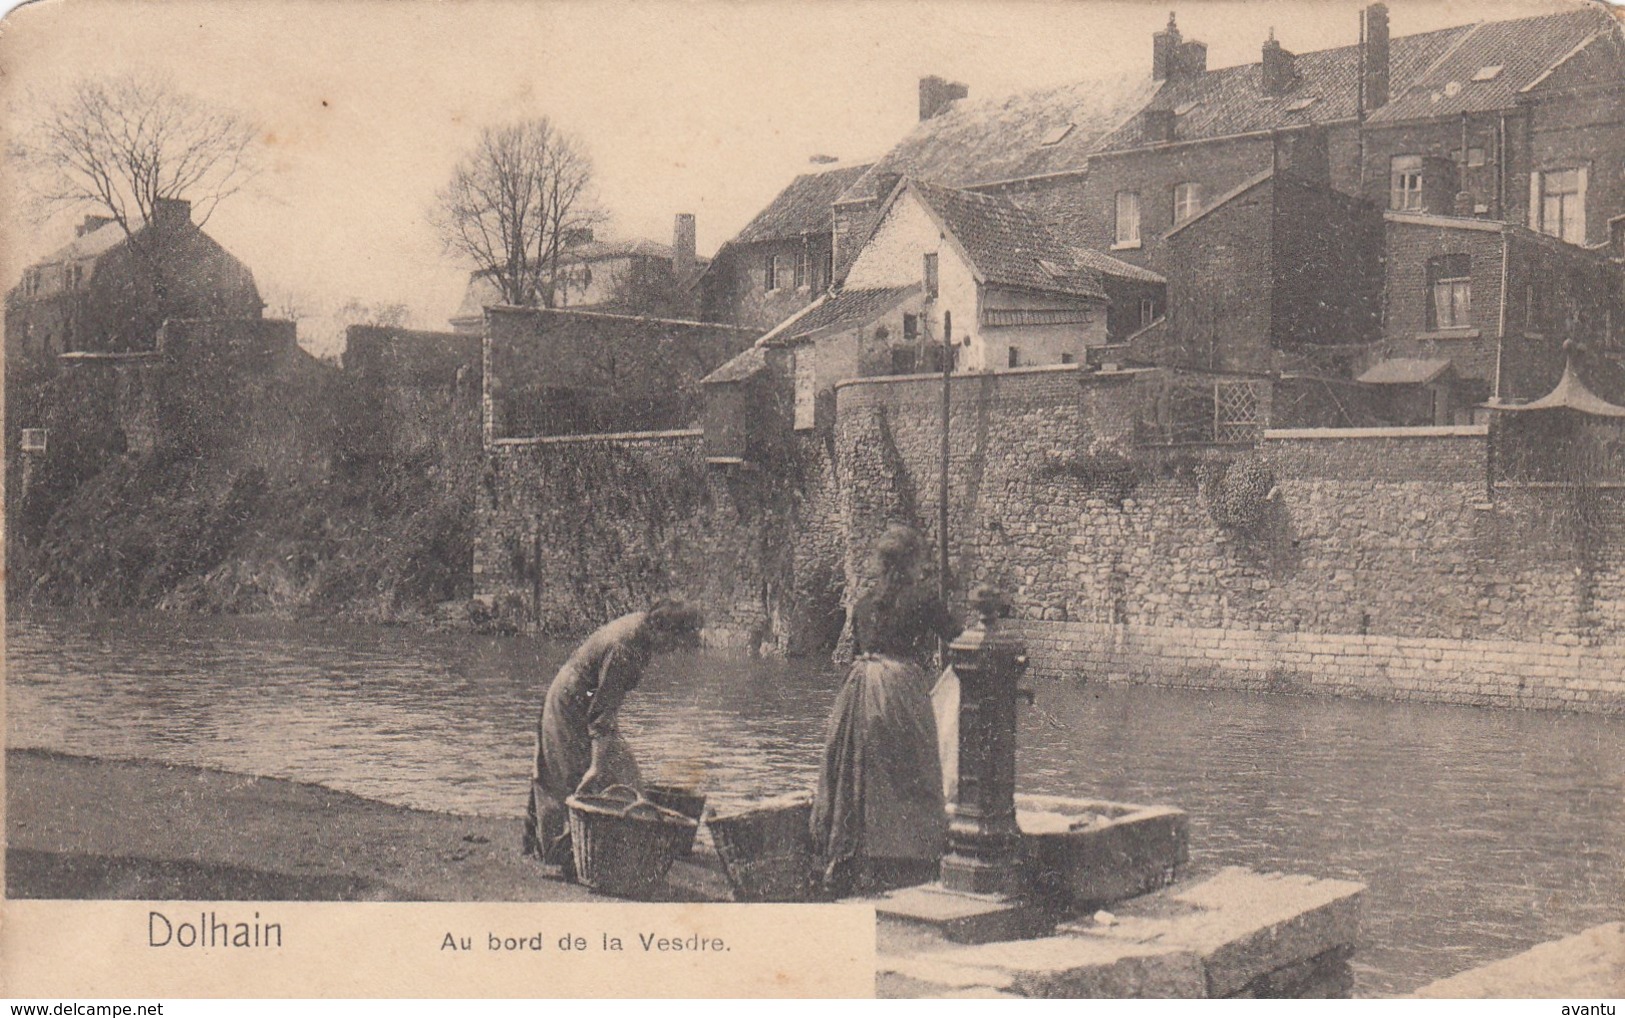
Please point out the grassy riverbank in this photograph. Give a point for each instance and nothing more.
(79, 827)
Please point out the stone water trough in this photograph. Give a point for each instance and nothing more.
(1079, 855)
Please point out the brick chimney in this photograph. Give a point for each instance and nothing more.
(682, 248)
(1156, 126)
(1374, 61)
(92, 224)
(936, 93)
(1163, 45)
(1190, 59)
(171, 213)
(1277, 73)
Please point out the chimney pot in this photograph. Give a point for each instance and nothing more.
(1163, 45)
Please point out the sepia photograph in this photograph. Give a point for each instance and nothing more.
(1034, 498)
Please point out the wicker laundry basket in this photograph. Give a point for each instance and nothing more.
(624, 844)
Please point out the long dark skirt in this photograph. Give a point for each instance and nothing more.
(879, 804)
(563, 754)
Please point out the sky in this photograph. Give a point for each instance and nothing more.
(702, 106)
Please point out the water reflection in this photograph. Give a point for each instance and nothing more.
(1479, 832)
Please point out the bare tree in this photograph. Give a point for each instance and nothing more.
(121, 145)
(513, 203)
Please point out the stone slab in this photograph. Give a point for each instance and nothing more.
(1085, 854)
(1235, 933)
(1588, 964)
(962, 917)
(1243, 925)
(1063, 966)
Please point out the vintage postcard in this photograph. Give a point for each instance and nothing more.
(744, 499)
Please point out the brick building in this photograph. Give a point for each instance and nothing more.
(1016, 296)
(1484, 144)
(111, 289)
(782, 260)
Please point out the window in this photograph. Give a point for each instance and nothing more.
(829, 271)
(801, 270)
(1450, 286)
(770, 273)
(1474, 157)
(34, 439)
(780, 272)
(1015, 357)
(931, 274)
(1128, 219)
(1405, 183)
(1187, 201)
(1069, 358)
(911, 327)
(1557, 205)
(1148, 312)
(78, 276)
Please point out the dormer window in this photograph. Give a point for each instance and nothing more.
(1055, 135)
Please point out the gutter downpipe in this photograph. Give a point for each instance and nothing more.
(1501, 329)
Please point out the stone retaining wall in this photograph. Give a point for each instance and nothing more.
(1487, 673)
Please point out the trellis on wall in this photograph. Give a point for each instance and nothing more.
(1196, 409)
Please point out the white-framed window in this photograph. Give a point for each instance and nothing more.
(801, 270)
(779, 273)
(1148, 312)
(1187, 200)
(34, 439)
(1405, 183)
(1450, 292)
(1128, 219)
(1557, 203)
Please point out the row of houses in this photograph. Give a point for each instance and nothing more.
(1415, 226)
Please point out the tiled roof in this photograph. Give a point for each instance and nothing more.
(1007, 244)
(1231, 100)
(977, 141)
(1109, 266)
(1524, 50)
(840, 309)
(803, 207)
(93, 244)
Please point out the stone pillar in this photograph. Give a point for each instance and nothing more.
(984, 843)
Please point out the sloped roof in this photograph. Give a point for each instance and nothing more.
(93, 244)
(747, 363)
(802, 207)
(1232, 100)
(1108, 266)
(1008, 245)
(1524, 50)
(1405, 371)
(840, 309)
(978, 141)
(1570, 393)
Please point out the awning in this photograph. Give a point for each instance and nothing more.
(1570, 394)
(1404, 371)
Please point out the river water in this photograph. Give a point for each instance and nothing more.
(1478, 832)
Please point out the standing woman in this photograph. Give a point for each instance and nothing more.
(879, 820)
(579, 748)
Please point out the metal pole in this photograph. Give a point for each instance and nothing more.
(942, 490)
